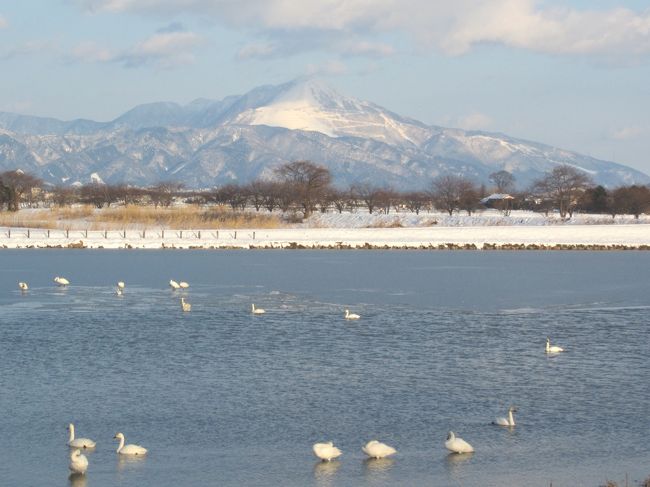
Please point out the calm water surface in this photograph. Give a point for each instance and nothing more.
(447, 341)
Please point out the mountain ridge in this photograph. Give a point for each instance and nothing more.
(243, 137)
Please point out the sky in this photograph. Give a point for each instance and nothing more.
(574, 74)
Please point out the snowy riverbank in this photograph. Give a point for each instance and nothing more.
(479, 237)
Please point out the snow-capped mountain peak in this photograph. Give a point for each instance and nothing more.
(310, 105)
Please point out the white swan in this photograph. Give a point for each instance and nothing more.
(257, 311)
(61, 281)
(457, 445)
(123, 449)
(185, 305)
(552, 348)
(183, 285)
(79, 442)
(509, 421)
(23, 286)
(119, 291)
(377, 449)
(173, 284)
(351, 316)
(78, 462)
(326, 451)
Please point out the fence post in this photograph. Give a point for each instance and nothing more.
(28, 233)
(199, 234)
(86, 232)
(235, 234)
(48, 234)
(105, 233)
(253, 235)
(67, 233)
(8, 232)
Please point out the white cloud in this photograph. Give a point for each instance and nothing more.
(164, 49)
(89, 52)
(453, 27)
(631, 132)
(3, 22)
(28, 48)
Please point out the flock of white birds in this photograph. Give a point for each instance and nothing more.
(324, 451)
(79, 462)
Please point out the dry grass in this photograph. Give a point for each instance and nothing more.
(38, 219)
(130, 217)
(394, 223)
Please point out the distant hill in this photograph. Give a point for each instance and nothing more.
(240, 138)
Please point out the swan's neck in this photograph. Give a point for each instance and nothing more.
(511, 418)
(253, 307)
(347, 313)
(71, 428)
(548, 345)
(121, 445)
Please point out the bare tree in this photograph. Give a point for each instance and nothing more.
(128, 195)
(307, 181)
(341, 199)
(504, 182)
(64, 195)
(97, 194)
(468, 196)
(562, 186)
(163, 193)
(415, 201)
(369, 195)
(19, 184)
(632, 200)
(450, 192)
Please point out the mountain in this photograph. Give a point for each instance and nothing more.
(240, 138)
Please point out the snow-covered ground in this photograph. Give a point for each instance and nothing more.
(360, 230)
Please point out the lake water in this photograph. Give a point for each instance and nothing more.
(447, 341)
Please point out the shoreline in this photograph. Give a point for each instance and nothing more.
(574, 237)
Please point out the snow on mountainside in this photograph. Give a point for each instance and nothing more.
(241, 138)
(312, 106)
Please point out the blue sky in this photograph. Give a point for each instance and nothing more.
(574, 74)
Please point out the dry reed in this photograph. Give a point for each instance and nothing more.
(141, 217)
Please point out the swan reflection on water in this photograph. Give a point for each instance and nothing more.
(325, 471)
(125, 462)
(456, 464)
(77, 480)
(377, 468)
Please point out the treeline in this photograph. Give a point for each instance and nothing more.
(304, 187)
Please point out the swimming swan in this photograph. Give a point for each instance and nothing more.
(78, 462)
(257, 311)
(552, 348)
(509, 421)
(186, 306)
(376, 449)
(23, 286)
(78, 442)
(173, 284)
(183, 285)
(351, 316)
(326, 451)
(123, 449)
(61, 281)
(457, 445)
